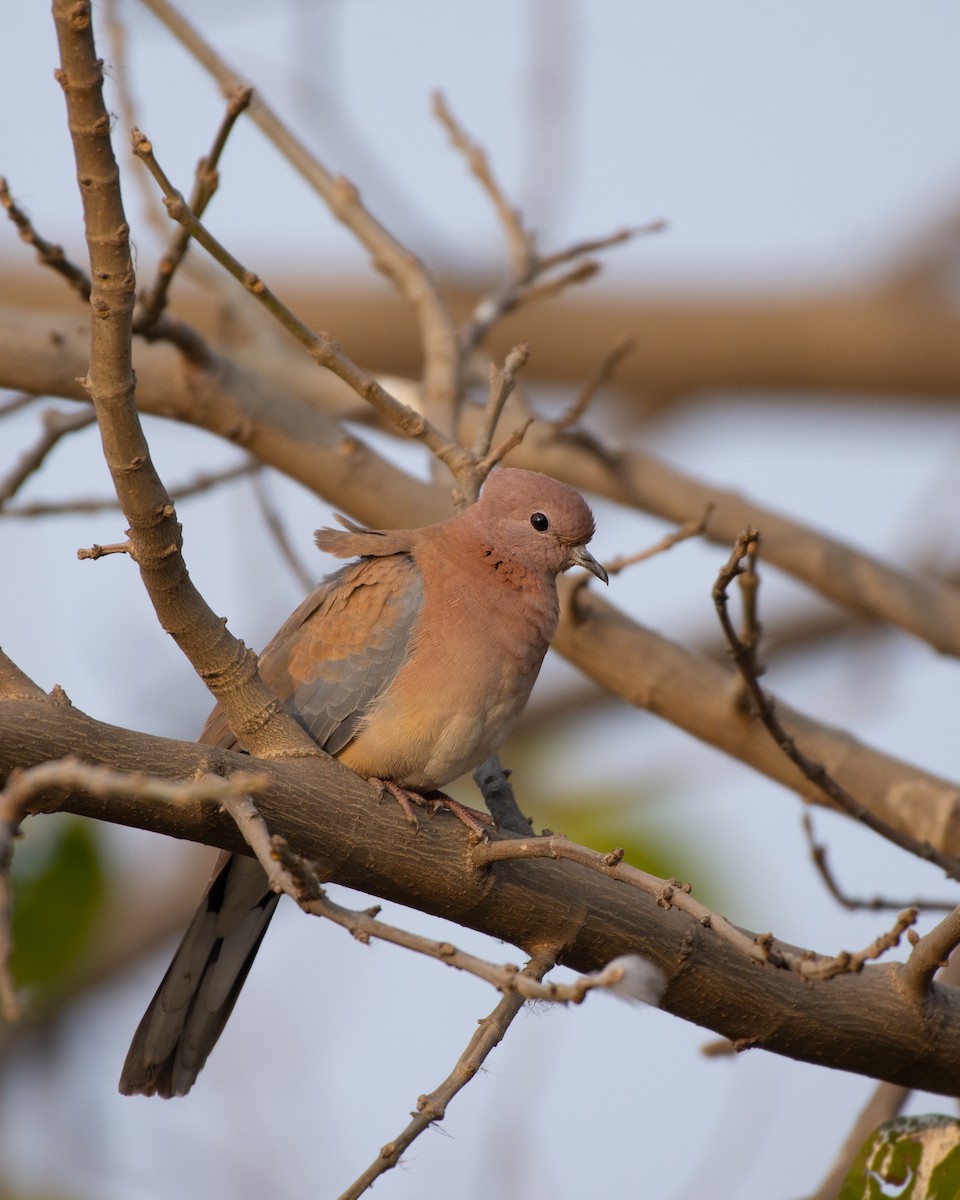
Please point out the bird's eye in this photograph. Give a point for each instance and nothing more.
(540, 522)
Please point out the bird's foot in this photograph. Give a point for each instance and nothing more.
(476, 822)
(403, 796)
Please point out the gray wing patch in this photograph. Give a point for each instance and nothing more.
(343, 647)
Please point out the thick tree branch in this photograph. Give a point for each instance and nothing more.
(281, 428)
(227, 667)
(860, 1022)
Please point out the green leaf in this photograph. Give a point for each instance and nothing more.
(58, 888)
(911, 1158)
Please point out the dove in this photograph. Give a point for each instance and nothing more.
(411, 665)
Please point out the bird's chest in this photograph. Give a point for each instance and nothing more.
(474, 657)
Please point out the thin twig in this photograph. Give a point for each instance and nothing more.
(818, 853)
(206, 181)
(521, 242)
(604, 242)
(50, 254)
(92, 553)
(56, 425)
(605, 370)
(442, 362)
(291, 874)
(203, 482)
(614, 566)
(321, 346)
(502, 382)
(433, 1106)
(531, 287)
(671, 893)
(743, 650)
(690, 529)
(274, 523)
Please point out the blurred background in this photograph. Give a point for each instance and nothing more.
(797, 341)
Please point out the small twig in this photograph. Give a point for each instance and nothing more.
(502, 382)
(321, 346)
(494, 784)
(593, 245)
(818, 853)
(206, 181)
(886, 1102)
(96, 551)
(847, 962)
(604, 372)
(48, 253)
(743, 651)
(527, 285)
(291, 874)
(689, 529)
(203, 482)
(930, 953)
(614, 566)
(668, 893)
(671, 893)
(499, 452)
(42, 788)
(56, 424)
(441, 384)
(531, 293)
(521, 242)
(432, 1107)
(274, 523)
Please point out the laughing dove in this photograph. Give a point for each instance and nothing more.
(410, 665)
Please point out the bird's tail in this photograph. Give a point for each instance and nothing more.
(200, 988)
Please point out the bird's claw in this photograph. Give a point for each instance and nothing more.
(476, 822)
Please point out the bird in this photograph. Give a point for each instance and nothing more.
(410, 664)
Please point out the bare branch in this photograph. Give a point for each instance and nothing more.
(227, 667)
(760, 948)
(521, 243)
(204, 481)
(48, 253)
(864, 1022)
(604, 372)
(438, 335)
(930, 953)
(320, 345)
(502, 382)
(818, 852)
(433, 1107)
(743, 652)
(274, 523)
(56, 425)
(206, 181)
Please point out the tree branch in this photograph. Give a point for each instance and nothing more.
(227, 667)
(863, 1022)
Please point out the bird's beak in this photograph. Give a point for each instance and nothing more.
(580, 556)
